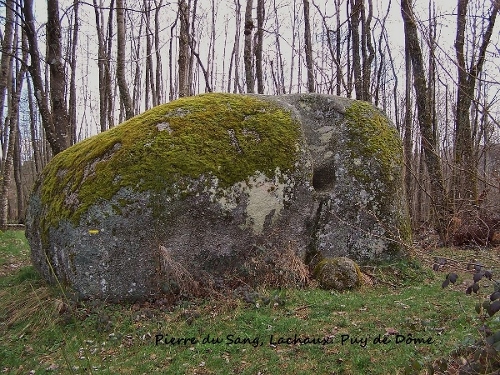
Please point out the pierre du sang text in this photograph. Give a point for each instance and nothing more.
(295, 339)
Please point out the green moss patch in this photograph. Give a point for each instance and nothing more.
(338, 273)
(372, 139)
(224, 136)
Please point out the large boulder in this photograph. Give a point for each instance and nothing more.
(189, 192)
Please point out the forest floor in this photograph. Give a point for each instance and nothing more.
(401, 322)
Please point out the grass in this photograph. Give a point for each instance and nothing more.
(42, 334)
(13, 249)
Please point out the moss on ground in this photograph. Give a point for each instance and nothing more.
(222, 136)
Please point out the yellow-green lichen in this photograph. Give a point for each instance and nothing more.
(222, 136)
(371, 138)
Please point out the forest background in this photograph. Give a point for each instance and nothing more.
(72, 69)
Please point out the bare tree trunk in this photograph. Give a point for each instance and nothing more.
(432, 159)
(465, 176)
(363, 52)
(172, 92)
(294, 36)
(408, 122)
(135, 48)
(72, 82)
(184, 55)
(258, 47)
(17, 175)
(247, 51)
(13, 117)
(280, 79)
(7, 173)
(356, 46)
(395, 86)
(55, 119)
(150, 79)
(193, 8)
(109, 85)
(419, 204)
(57, 73)
(299, 66)
(275, 81)
(6, 59)
(125, 98)
(237, 87)
(338, 44)
(159, 80)
(308, 48)
(191, 55)
(432, 73)
(367, 50)
(235, 56)
(348, 57)
(382, 63)
(211, 50)
(103, 66)
(35, 141)
(230, 82)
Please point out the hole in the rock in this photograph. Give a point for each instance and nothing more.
(324, 177)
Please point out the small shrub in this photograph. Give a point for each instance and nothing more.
(484, 354)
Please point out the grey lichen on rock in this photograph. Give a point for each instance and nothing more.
(338, 273)
(187, 192)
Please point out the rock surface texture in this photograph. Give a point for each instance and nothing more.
(338, 273)
(189, 191)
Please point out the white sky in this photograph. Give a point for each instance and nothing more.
(87, 68)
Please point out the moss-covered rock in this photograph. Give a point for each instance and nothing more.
(186, 193)
(339, 273)
(225, 138)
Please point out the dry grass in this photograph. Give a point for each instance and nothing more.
(266, 268)
(36, 299)
(278, 268)
(180, 280)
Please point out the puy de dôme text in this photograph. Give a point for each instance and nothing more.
(344, 339)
